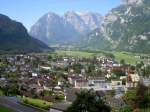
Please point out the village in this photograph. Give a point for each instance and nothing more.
(58, 78)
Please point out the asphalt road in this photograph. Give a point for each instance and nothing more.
(15, 105)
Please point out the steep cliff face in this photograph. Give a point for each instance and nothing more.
(53, 29)
(127, 27)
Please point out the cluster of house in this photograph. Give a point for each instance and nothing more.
(25, 70)
(103, 84)
(31, 77)
(28, 67)
(128, 80)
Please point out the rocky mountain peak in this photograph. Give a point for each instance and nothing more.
(72, 25)
(126, 27)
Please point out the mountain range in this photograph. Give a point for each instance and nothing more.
(125, 27)
(15, 38)
(71, 27)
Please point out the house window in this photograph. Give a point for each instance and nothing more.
(118, 83)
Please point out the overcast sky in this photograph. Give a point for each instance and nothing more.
(29, 11)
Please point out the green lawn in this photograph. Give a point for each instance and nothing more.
(37, 102)
(1, 93)
(145, 110)
(75, 53)
(127, 56)
(3, 109)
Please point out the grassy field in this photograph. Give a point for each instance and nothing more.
(145, 110)
(37, 102)
(127, 56)
(3, 109)
(77, 53)
(1, 93)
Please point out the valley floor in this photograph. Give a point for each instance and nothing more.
(130, 58)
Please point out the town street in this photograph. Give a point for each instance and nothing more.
(13, 104)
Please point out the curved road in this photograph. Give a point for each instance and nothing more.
(12, 103)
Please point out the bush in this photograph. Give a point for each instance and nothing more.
(59, 97)
(126, 109)
(37, 102)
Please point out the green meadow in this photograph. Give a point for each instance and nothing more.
(37, 102)
(4, 109)
(130, 58)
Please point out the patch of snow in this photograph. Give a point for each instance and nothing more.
(122, 20)
(128, 10)
(96, 34)
(143, 37)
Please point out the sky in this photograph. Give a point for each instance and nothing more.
(29, 11)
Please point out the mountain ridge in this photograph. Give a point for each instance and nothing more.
(126, 28)
(70, 27)
(14, 37)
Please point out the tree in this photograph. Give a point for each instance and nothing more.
(88, 101)
(53, 82)
(11, 89)
(118, 72)
(122, 61)
(138, 98)
(146, 70)
(50, 57)
(139, 65)
(90, 68)
(129, 98)
(141, 98)
(77, 67)
(132, 68)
